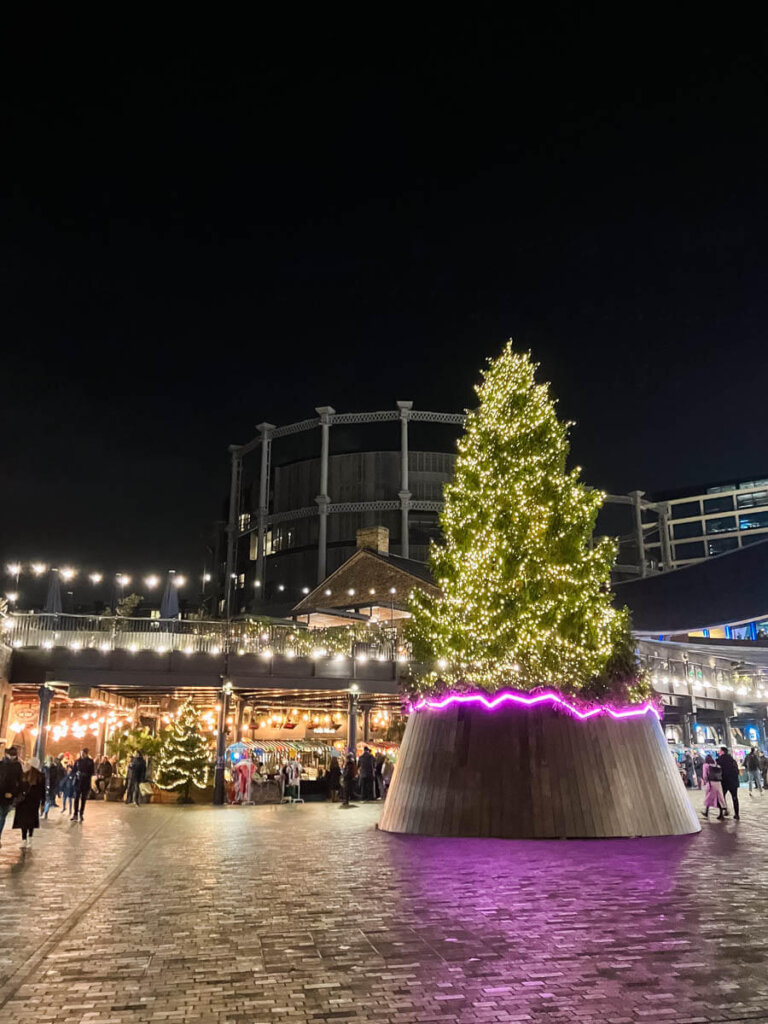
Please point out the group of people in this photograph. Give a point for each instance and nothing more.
(31, 789)
(722, 776)
(368, 775)
(755, 765)
(26, 788)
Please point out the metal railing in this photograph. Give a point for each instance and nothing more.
(190, 636)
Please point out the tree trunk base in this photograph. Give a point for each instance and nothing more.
(535, 773)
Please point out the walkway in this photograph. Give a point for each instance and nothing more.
(298, 914)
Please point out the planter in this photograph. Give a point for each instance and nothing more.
(538, 772)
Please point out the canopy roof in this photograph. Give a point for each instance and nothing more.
(726, 590)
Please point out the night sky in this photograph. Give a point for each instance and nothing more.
(199, 234)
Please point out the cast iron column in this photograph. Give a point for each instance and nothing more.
(325, 412)
(352, 721)
(405, 494)
(221, 741)
(639, 536)
(266, 446)
(45, 693)
(666, 547)
(366, 724)
(232, 524)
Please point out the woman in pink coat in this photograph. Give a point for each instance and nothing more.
(713, 786)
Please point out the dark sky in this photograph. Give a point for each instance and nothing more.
(202, 233)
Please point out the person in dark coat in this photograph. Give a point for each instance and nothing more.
(27, 816)
(10, 783)
(690, 774)
(67, 788)
(103, 774)
(698, 767)
(333, 780)
(139, 776)
(752, 766)
(378, 779)
(730, 779)
(350, 774)
(84, 769)
(53, 773)
(365, 768)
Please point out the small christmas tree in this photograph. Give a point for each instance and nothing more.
(525, 596)
(184, 755)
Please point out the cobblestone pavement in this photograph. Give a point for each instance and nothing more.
(308, 913)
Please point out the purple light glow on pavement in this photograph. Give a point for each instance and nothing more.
(527, 700)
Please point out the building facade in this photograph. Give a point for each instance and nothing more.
(715, 520)
(317, 482)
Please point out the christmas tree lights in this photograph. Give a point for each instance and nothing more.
(184, 756)
(525, 599)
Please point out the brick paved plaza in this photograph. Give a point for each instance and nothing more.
(310, 914)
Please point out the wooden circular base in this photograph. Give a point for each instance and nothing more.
(537, 773)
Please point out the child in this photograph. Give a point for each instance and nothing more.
(68, 790)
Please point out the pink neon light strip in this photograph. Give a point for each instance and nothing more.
(550, 697)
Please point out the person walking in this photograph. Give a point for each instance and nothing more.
(333, 779)
(27, 816)
(730, 772)
(129, 778)
(365, 769)
(10, 784)
(698, 767)
(83, 769)
(763, 768)
(350, 774)
(378, 781)
(139, 776)
(752, 765)
(713, 788)
(53, 773)
(386, 775)
(67, 790)
(690, 774)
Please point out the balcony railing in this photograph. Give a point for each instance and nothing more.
(190, 636)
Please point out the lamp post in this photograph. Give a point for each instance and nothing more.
(45, 693)
(352, 697)
(221, 741)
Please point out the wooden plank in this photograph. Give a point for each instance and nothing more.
(518, 773)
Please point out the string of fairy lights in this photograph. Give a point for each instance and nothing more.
(524, 589)
(90, 723)
(67, 574)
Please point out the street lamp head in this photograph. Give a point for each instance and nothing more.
(95, 577)
(179, 581)
(122, 579)
(67, 574)
(151, 581)
(38, 568)
(13, 597)
(13, 568)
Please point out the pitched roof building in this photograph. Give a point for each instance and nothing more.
(371, 585)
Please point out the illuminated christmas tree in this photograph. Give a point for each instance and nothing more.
(525, 596)
(184, 756)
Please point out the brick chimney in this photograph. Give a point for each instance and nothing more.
(374, 538)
